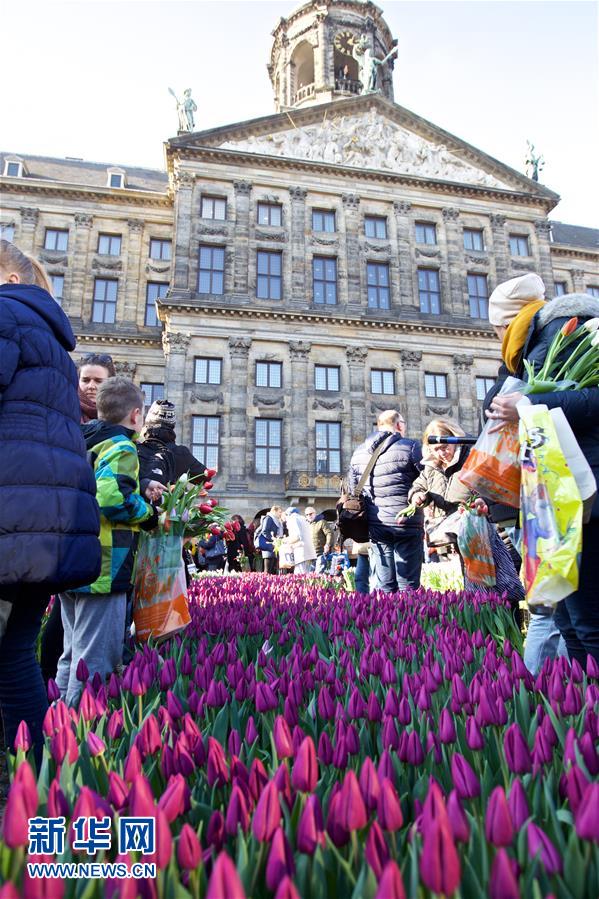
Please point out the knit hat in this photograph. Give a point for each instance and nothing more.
(509, 298)
(161, 414)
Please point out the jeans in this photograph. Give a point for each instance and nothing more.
(22, 691)
(577, 616)
(363, 574)
(94, 624)
(396, 565)
(543, 641)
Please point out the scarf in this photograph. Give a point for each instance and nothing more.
(88, 408)
(516, 334)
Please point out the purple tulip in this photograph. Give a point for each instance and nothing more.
(518, 804)
(376, 851)
(304, 775)
(539, 842)
(447, 731)
(391, 885)
(53, 691)
(224, 880)
(82, 671)
(310, 828)
(280, 860)
(415, 752)
(175, 800)
(265, 699)
(215, 832)
(267, 815)
(369, 784)
(95, 745)
(335, 828)
(503, 883)
(457, 819)
(465, 780)
(499, 829)
(287, 890)
(587, 814)
(517, 753)
(439, 862)
(388, 807)
(352, 811)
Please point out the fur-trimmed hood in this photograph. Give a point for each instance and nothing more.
(582, 305)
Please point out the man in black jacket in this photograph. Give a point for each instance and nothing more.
(160, 457)
(396, 544)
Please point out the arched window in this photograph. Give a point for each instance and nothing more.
(302, 71)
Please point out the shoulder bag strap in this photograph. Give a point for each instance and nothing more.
(371, 463)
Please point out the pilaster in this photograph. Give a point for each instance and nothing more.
(81, 284)
(183, 214)
(351, 210)
(133, 275)
(236, 464)
(403, 225)
(298, 245)
(500, 248)
(298, 451)
(578, 280)
(242, 236)
(356, 362)
(175, 346)
(465, 400)
(29, 219)
(543, 229)
(410, 361)
(455, 258)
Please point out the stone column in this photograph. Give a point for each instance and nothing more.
(81, 289)
(455, 257)
(236, 461)
(403, 224)
(242, 237)
(500, 248)
(351, 208)
(133, 277)
(356, 361)
(301, 436)
(182, 229)
(298, 245)
(175, 346)
(543, 229)
(410, 360)
(29, 219)
(465, 399)
(578, 280)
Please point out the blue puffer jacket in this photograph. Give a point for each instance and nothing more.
(49, 518)
(581, 407)
(387, 488)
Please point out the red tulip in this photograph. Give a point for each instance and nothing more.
(304, 775)
(224, 881)
(503, 883)
(280, 860)
(189, 851)
(499, 829)
(267, 815)
(14, 824)
(391, 885)
(439, 861)
(570, 326)
(389, 809)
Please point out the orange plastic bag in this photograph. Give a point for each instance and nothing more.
(492, 468)
(160, 598)
(474, 544)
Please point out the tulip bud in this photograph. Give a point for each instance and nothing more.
(267, 815)
(282, 738)
(310, 828)
(280, 860)
(499, 829)
(391, 885)
(464, 779)
(439, 862)
(502, 882)
(189, 851)
(539, 842)
(287, 890)
(388, 808)
(224, 880)
(14, 823)
(587, 816)
(376, 851)
(304, 775)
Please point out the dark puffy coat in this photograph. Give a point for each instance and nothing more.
(389, 484)
(49, 517)
(161, 459)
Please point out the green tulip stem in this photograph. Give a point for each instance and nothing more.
(18, 858)
(355, 849)
(194, 883)
(140, 709)
(257, 868)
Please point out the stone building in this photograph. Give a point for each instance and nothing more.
(290, 277)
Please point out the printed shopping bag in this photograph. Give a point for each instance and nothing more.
(160, 596)
(551, 511)
(474, 544)
(492, 468)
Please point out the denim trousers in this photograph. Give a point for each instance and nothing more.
(577, 616)
(22, 692)
(543, 641)
(396, 565)
(362, 574)
(94, 624)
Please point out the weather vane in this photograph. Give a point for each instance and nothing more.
(534, 162)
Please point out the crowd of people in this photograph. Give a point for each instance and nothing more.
(77, 484)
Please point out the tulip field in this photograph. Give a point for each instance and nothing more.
(300, 741)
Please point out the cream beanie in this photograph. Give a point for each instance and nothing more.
(509, 298)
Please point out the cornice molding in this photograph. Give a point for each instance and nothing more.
(120, 339)
(125, 197)
(574, 252)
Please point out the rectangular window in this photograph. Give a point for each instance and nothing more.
(435, 385)
(474, 239)
(323, 220)
(152, 391)
(154, 290)
(116, 180)
(160, 249)
(269, 214)
(593, 289)
(269, 374)
(519, 245)
(326, 377)
(382, 381)
(375, 226)
(328, 447)
(13, 170)
(478, 296)
(214, 208)
(377, 278)
(483, 385)
(324, 280)
(57, 282)
(56, 240)
(205, 439)
(109, 244)
(429, 291)
(7, 232)
(268, 286)
(426, 232)
(207, 370)
(211, 276)
(560, 288)
(105, 294)
(268, 446)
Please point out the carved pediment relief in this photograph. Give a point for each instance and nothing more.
(368, 140)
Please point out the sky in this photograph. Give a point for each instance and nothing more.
(90, 78)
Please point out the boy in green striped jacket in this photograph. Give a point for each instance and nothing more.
(94, 616)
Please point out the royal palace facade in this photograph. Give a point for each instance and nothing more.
(287, 278)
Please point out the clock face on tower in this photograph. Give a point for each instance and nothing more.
(345, 41)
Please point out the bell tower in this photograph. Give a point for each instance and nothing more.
(328, 50)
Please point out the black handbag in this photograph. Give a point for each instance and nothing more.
(352, 516)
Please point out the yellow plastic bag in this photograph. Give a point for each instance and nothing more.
(551, 511)
(160, 598)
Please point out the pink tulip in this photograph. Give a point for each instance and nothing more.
(287, 890)
(282, 738)
(376, 851)
(280, 860)
(439, 862)
(64, 745)
(57, 804)
(391, 884)
(369, 784)
(304, 775)
(502, 882)
(217, 771)
(23, 739)
(189, 851)
(175, 800)
(16, 813)
(352, 811)
(587, 816)
(267, 815)
(388, 809)
(224, 880)
(310, 828)
(141, 798)
(499, 829)
(25, 777)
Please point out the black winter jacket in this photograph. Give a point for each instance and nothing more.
(49, 517)
(161, 459)
(389, 484)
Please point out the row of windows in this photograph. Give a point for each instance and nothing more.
(108, 244)
(208, 370)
